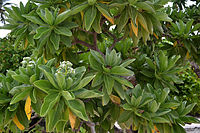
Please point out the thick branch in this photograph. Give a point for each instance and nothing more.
(83, 43)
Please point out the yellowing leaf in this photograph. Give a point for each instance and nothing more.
(68, 4)
(26, 43)
(45, 60)
(175, 43)
(62, 9)
(64, 54)
(155, 130)
(104, 2)
(82, 14)
(109, 18)
(155, 35)
(72, 119)
(115, 99)
(28, 108)
(142, 22)
(134, 28)
(17, 123)
(187, 55)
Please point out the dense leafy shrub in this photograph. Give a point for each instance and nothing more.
(121, 69)
(189, 89)
(10, 58)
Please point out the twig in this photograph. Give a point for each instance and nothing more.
(114, 38)
(91, 125)
(36, 123)
(35, 116)
(79, 127)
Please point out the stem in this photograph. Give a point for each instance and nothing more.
(92, 126)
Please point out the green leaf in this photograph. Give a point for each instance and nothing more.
(105, 98)
(127, 62)
(41, 31)
(63, 31)
(84, 93)
(55, 115)
(61, 80)
(89, 17)
(145, 6)
(21, 95)
(49, 17)
(120, 91)
(178, 129)
(154, 106)
(63, 16)
(49, 101)
(105, 12)
(163, 16)
(67, 95)
(160, 120)
(172, 61)
(164, 94)
(189, 26)
(34, 19)
(188, 109)
(98, 79)
(96, 24)
(49, 76)
(150, 63)
(4, 99)
(33, 96)
(163, 61)
(123, 81)
(119, 70)
(143, 22)
(83, 83)
(94, 64)
(97, 56)
(69, 82)
(21, 78)
(124, 116)
(109, 83)
(78, 8)
(55, 39)
(78, 108)
(123, 20)
(43, 85)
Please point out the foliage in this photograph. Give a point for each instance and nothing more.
(10, 59)
(190, 88)
(122, 69)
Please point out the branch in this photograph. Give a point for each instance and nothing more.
(91, 125)
(83, 43)
(115, 39)
(85, 31)
(35, 123)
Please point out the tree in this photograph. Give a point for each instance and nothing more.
(122, 70)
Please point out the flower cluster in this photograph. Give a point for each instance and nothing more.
(27, 61)
(65, 68)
